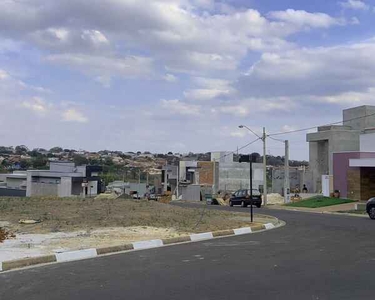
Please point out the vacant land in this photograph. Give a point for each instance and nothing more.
(319, 201)
(70, 214)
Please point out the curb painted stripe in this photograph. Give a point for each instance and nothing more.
(147, 244)
(76, 255)
(90, 253)
(176, 240)
(244, 230)
(269, 226)
(201, 236)
(113, 249)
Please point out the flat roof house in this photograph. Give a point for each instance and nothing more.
(64, 179)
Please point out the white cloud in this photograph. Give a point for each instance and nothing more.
(181, 37)
(205, 94)
(303, 18)
(235, 110)
(181, 108)
(102, 68)
(3, 75)
(315, 71)
(94, 36)
(355, 4)
(170, 78)
(73, 115)
(354, 21)
(37, 105)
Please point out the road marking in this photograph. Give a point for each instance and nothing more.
(147, 244)
(244, 230)
(76, 255)
(201, 236)
(269, 226)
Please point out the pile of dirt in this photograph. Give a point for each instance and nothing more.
(275, 199)
(4, 235)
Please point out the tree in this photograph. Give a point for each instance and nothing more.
(25, 164)
(39, 162)
(80, 160)
(22, 149)
(256, 157)
(56, 150)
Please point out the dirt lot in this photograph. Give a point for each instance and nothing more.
(68, 215)
(72, 224)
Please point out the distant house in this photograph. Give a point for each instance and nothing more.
(146, 155)
(13, 184)
(64, 179)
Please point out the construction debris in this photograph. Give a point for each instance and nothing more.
(5, 235)
(29, 221)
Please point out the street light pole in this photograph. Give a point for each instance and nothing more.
(264, 168)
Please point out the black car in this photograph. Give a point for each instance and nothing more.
(370, 208)
(242, 197)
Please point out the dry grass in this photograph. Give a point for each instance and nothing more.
(72, 214)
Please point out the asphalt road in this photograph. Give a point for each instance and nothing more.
(313, 257)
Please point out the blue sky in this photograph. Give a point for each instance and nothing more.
(180, 75)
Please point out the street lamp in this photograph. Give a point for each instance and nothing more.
(263, 138)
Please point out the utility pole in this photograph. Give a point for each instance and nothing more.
(178, 182)
(286, 174)
(264, 167)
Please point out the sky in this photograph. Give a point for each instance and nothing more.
(180, 75)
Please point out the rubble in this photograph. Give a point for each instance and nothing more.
(5, 235)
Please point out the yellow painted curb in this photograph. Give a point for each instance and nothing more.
(106, 250)
(21, 263)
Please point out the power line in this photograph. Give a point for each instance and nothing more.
(306, 129)
(277, 140)
(247, 145)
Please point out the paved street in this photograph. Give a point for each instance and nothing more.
(313, 257)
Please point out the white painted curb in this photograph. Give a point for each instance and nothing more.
(201, 236)
(244, 230)
(269, 226)
(147, 244)
(75, 255)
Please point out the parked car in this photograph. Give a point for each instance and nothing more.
(370, 208)
(242, 197)
(136, 196)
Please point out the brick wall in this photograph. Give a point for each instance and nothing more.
(354, 183)
(206, 172)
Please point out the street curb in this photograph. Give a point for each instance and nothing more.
(141, 245)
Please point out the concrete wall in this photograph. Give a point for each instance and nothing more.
(235, 175)
(16, 183)
(358, 112)
(367, 142)
(62, 167)
(64, 189)
(222, 157)
(43, 189)
(190, 192)
(323, 144)
(296, 177)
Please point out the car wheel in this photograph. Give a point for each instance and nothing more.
(230, 203)
(259, 205)
(371, 213)
(243, 204)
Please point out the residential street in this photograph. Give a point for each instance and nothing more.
(313, 257)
